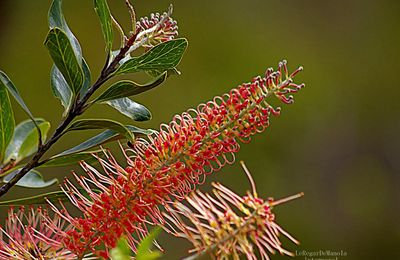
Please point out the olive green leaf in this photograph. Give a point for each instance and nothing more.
(131, 109)
(7, 83)
(70, 159)
(25, 139)
(60, 89)
(54, 196)
(86, 124)
(164, 56)
(7, 122)
(86, 78)
(104, 137)
(126, 88)
(157, 72)
(62, 53)
(102, 10)
(56, 19)
(33, 179)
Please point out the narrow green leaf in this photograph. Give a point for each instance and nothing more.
(60, 89)
(33, 179)
(122, 251)
(87, 78)
(7, 122)
(56, 19)
(131, 109)
(164, 56)
(144, 249)
(127, 88)
(63, 55)
(54, 196)
(30, 144)
(102, 10)
(25, 139)
(86, 124)
(140, 131)
(70, 159)
(104, 137)
(6, 82)
(157, 72)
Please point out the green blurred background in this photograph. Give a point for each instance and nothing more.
(338, 143)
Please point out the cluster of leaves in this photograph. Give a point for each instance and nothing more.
(71, 82)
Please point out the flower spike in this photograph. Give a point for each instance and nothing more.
(169, 164)
(227, 225)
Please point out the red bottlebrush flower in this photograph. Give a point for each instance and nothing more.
(170, 163)
(227, 224)
(33, 235)
(156, 29)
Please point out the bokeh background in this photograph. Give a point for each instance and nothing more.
(338, 143)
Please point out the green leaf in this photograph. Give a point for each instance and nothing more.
(87, 80)
(144, 249)
(56, 19)
(122, 251)
(6, 82)
(54, 196)
(127, 88)
(86, 124)
(131, 109)
(157, 72)
(104, 137)
(137, 130)
(102, 10)
(7, 122)
(62, 53)
(25, 139)
(60, 89)
(69, 159)
(164, 56)
(33, 179)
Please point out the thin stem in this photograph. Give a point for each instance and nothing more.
(77, 109)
